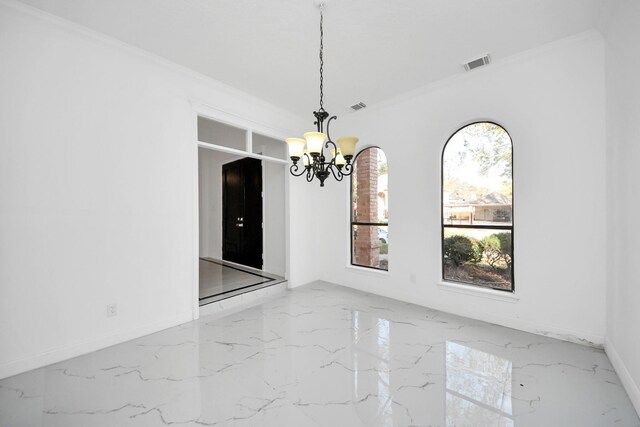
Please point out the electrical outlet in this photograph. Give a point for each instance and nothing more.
(112, 310)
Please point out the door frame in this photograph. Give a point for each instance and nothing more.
(249, 127)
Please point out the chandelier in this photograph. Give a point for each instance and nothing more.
(311, 148)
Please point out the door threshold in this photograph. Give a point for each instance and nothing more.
(262, 280)
(236, 292)
(242, 301)
(244, 268)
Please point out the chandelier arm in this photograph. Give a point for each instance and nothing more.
(328, 123)
(347, 169)
(311, 173)
(339, 175)
(294, 168)
(335, 148)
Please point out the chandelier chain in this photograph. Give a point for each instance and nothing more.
(321, 60)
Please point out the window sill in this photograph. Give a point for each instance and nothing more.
(479, 292)
(368, 271)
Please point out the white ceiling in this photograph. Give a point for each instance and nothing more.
(374, 49)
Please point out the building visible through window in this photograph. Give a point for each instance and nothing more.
(370, 210)
(477, 207)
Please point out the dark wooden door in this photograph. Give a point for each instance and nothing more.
(242, 212)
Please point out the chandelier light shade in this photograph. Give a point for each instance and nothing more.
(315, 140)
(296, 148)
(347, 146)
(311, 148)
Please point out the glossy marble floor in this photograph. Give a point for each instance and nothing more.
(323, 355)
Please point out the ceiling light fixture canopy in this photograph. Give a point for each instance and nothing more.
(311, 148)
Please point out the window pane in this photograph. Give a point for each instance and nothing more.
(370, 246)
(476, 176)
(478, 256)
(369, 187)
(477, 198)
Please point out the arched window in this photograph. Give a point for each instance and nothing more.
(369, 210)
(477, 207)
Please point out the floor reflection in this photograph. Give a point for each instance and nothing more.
(478, 387)
(376, 353)
(384, 394)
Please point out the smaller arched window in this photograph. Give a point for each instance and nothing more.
(370, 210)
(477, 207)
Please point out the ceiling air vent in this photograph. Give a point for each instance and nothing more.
(485, 60)
(358, 106)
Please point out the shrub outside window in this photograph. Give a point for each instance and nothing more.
(369, 210)
(477, 207)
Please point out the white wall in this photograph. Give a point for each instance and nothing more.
(274, 178)
(274, 175)
(622, 37)
(98, 188)
(304, 231)
(551, 101)
(210, 200)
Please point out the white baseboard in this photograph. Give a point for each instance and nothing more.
(630, 386)
(538, 328)
(59, 354)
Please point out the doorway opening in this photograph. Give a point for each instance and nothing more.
(241, 198)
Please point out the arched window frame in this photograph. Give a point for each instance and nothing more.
(444, 226)
(353, 222)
